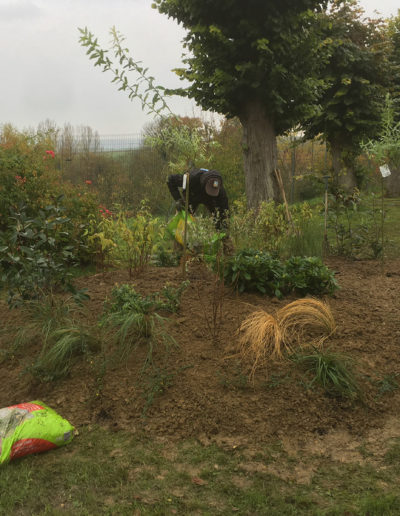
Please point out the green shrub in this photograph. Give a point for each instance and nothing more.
(251, 270)
(36, 253)
(308, 275)
(355, 226)
(308, 186)
(267, 228)
(165, 257)
(30, 176)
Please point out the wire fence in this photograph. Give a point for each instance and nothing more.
(125, 169)
(112, 158)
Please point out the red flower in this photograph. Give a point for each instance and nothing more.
(88, 182)
(20, 180)
(50, 153)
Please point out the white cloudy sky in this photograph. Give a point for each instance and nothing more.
(45, 73)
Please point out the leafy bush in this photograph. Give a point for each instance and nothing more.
(308, 186)
(202, 238)
(251, 270)
(355, 227)
(27, 172)
(308, 275)
(267, 228)
(124, 241)
(171, 296)
(36, 253)
(165, 257)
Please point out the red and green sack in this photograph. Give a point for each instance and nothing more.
(31, 428)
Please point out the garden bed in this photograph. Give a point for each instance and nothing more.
(201, 391)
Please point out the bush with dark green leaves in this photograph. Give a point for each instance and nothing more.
(308, 275)
(256, 271)
(36, 253)
(251, 270)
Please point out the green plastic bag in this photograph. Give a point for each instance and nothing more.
(31, 428)
(176, 226)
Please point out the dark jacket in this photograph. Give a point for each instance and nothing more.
(218, 205)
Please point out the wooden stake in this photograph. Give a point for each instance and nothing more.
(282, 189)
(185, 227)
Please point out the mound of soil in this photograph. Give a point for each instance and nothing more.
(199, 390)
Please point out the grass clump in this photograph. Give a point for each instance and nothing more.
(334, 372)
(135, 318)
(62, 347)
(263, 336)
(306, 240)
(39, 319)
(260, 339)
(58, 325)
(306, 316)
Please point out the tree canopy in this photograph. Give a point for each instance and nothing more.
(239, 51)
(257, 60)
(355, 77)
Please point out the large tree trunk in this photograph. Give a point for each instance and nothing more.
(343, 177)
(260, 155)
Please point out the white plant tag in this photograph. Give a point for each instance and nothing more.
(385, 170)
(184, 182)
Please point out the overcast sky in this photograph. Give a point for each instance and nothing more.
(47, 75)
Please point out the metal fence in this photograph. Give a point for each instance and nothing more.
(124, 168)
(91, 156)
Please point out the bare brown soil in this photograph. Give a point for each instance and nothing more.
(207, 395)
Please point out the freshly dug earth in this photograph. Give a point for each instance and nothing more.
(201, 389)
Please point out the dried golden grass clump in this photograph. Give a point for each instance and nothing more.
(306, 316)
(260, 339)
(303, 323)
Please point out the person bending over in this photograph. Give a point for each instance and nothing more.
(205, 187)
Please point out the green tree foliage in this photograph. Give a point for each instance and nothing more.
(258, 61)
(183, 142)
(393, 34)
(228, 157)
(385, 149)
(356, 76)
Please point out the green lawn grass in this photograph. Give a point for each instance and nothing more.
(105, 472)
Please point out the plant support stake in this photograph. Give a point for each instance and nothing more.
(385, 172)
(326, 245)
(186, 184)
